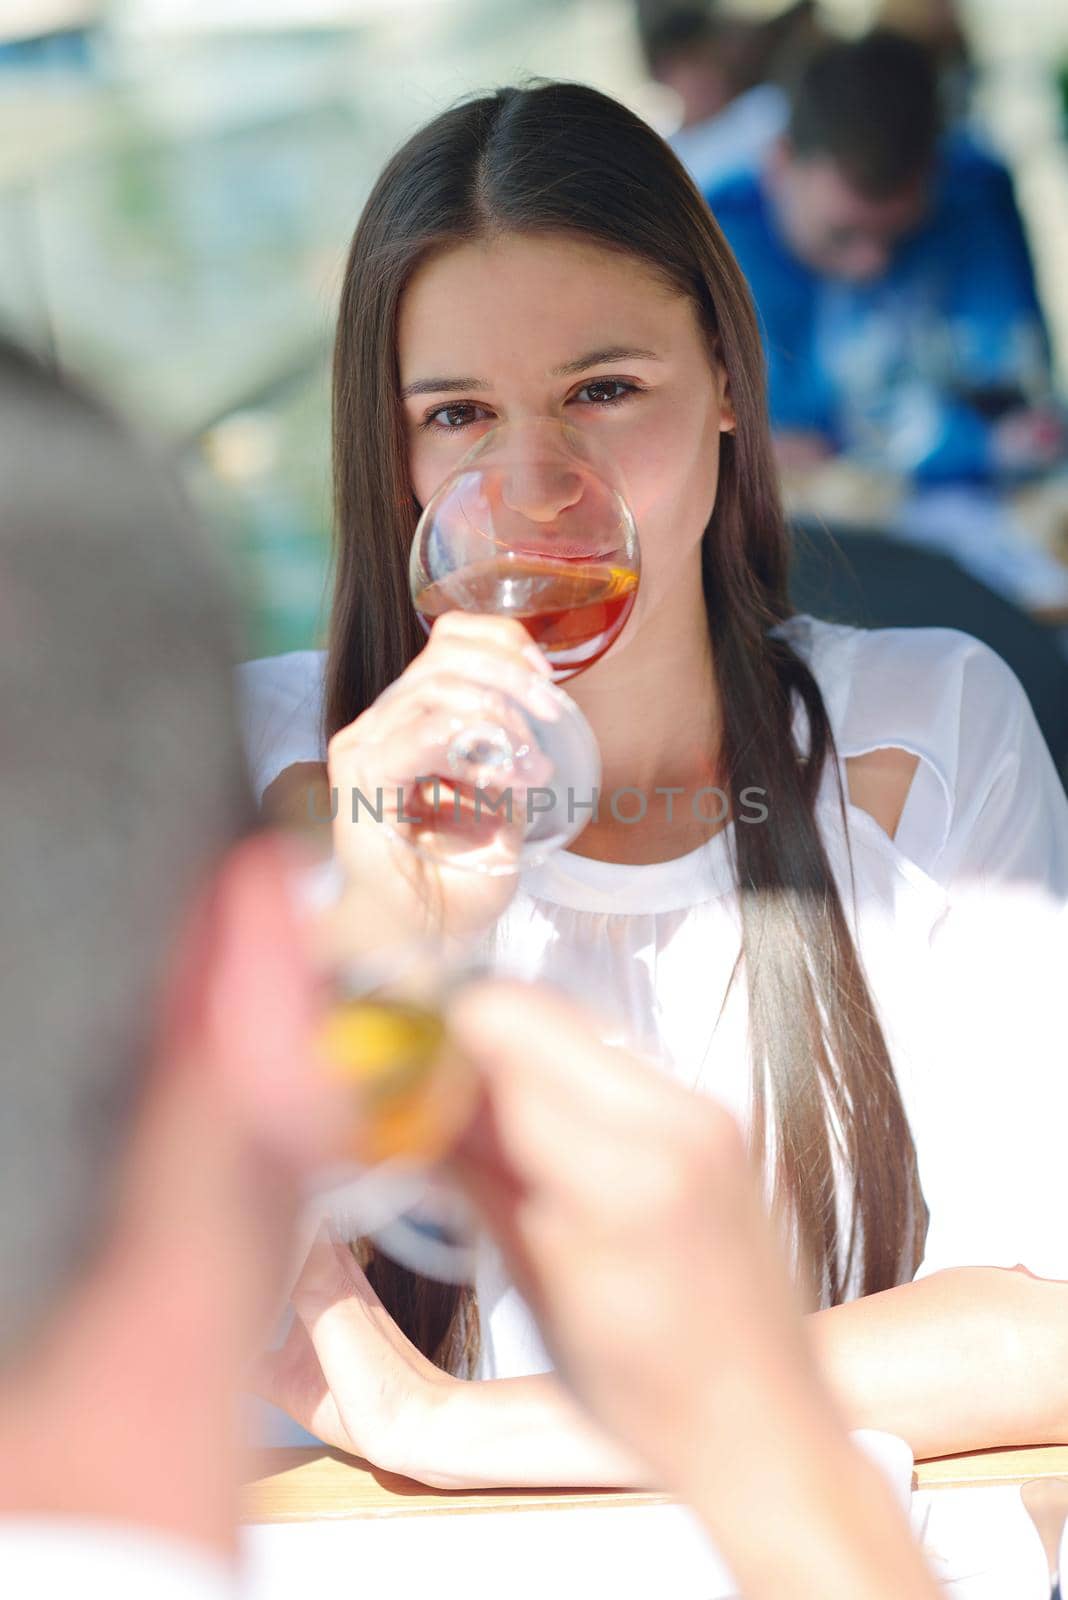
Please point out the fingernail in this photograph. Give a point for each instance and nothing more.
(532, 654)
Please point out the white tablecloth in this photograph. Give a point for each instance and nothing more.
(981, 1542)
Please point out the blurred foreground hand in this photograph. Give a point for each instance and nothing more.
(631, 1220)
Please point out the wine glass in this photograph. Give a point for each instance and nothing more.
(384, 1041)
(533, 524)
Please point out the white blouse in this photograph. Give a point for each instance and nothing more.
(982, 844)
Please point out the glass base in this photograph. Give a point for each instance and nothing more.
(412, 1216)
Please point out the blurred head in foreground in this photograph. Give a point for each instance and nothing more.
(157, 1114)
(850, 177)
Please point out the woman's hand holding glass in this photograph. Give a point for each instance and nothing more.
(524, 568)
(384, 765)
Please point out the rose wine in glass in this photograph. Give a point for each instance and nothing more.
(574, 612)
(533, 524)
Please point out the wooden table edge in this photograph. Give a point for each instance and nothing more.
(311, 1485)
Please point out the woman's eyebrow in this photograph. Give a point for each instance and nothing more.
(592, 358)
(441, 386)
(600, 358)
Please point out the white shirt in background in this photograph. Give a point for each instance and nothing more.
(737, 140)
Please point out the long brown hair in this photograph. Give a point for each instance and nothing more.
(563, 158)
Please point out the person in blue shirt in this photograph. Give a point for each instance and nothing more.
(892, 279)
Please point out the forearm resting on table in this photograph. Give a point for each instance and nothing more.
(969, 1358)
(511, 1433)
(787, 1466)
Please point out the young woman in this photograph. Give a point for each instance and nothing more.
(541, 252)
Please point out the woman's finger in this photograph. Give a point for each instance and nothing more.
(507, 633)
(420, 752)
(486, 696)
(466, 698)
(498, 671)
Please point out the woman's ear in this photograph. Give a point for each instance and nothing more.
(723, 385)
(726, 403)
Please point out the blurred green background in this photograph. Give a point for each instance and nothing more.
(179, 180)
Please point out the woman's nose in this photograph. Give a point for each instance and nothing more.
(540, 491)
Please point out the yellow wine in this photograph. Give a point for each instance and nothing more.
(414, 1090)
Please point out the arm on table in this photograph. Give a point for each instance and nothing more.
(837, 1533)
(970, 1358)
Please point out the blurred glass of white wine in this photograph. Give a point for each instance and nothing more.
(382, 1038)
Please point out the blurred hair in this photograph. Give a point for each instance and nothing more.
(871, 105)
(748, 50)
(678, 33)
(121, 782)
(561, 158)
(734, 48)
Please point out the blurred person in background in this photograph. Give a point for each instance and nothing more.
(937, 26)
(721, 69)
(892, 280)
(162, 1107)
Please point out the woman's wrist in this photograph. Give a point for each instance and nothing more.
(795, 1508)
(425, 1441)
(516, 1433)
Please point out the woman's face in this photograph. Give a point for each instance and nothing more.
(486, 331)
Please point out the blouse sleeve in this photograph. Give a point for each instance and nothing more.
(280, 701)
(1008, 822)
(989, 1101)
(990, 1116)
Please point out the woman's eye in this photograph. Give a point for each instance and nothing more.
(450, 419)
(601, 392)
(462, 413)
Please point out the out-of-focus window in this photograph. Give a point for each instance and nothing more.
(179, 181)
